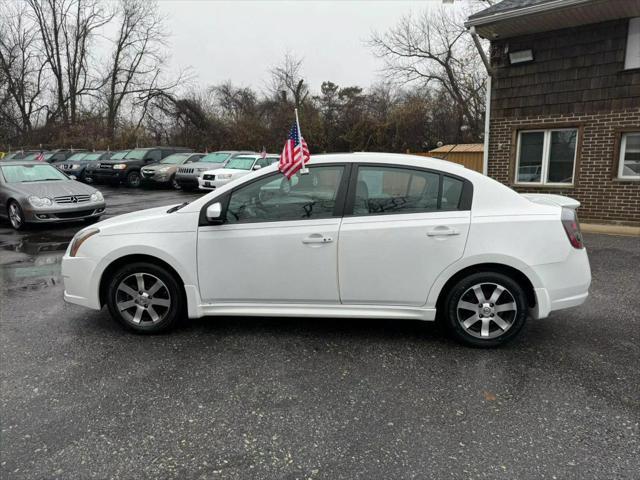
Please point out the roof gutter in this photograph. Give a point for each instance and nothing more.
(521, 12)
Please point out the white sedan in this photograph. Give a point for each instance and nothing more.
(363, 235)
(237, 167)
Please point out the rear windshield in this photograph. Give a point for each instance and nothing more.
(31, 173)
(241, 163)
(119, 155)
(215, 157)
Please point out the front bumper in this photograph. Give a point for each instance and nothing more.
(187, 181)
(71, 213)
(211, 184)
(155, 177)
(107, 175)
(78, 277)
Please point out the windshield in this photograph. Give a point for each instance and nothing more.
(137, 154)
(176, 158)
(76, 156)
(215, 157)
(31, 173)
(119, 155)
(92, 156)
(241, 163)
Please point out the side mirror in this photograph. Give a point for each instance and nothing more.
(214, 213)
(257, 167)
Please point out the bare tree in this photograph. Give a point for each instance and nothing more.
(21, 69)
(434, 49)
(287, 79)
(136, 62)
(66, 29)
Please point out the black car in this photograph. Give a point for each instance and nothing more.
(76, 164)
(127, 170)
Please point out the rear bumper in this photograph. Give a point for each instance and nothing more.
(566, 284)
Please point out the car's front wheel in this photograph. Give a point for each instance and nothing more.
(145, 298)
(16, 216)
(486, 309)
(174, 183)
(133, 179)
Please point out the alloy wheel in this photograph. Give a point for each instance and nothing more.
(174, 183)
(134, 179)
(142, 298)
(15, 215)
(486, 310)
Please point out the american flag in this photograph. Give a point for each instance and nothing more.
(40, 157)
(294, 154)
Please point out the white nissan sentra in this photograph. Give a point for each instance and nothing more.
(363, 235)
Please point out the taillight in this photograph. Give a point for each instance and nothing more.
(572, 227)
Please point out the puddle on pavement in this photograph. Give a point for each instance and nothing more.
(31, 260)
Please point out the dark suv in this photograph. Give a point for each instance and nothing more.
(127, 170)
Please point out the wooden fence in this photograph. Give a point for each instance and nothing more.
(469, 155)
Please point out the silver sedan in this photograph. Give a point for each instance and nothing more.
(36, 192)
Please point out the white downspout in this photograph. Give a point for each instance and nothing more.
(487, 123)
(487, 108)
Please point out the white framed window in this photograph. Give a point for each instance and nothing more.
(629, 163)
(632, 55)
(546, 157)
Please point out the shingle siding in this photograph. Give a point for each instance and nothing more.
(577, 79)
(574, 70)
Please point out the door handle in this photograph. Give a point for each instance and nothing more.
(317, 238)
(443, 232)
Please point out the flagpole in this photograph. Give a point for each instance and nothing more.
(304, 170)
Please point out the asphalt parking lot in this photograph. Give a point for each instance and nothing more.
(267, 398)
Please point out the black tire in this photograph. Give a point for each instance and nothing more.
(174, 184)
(174, 293)
(17, 222)
(134, 180)
(469, 327)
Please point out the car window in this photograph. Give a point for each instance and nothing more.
(92, 156)
(265, 162)
(153, 156)
(274, 198)
(388, 190)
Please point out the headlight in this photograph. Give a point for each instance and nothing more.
(97, 197)
(120, 166)
(40, 202)
(80, 238)
(164, 169)
(224, 176)
(75, 166)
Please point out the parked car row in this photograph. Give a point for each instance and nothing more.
(175, 167)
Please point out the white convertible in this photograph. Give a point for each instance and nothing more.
(366, 235)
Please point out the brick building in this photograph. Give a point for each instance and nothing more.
(564, 101)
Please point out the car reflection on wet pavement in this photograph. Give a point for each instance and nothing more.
(30, 259)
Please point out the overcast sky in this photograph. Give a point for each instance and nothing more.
(240, 40)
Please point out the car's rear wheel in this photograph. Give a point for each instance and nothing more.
(145, 298)
(16, 215)
(133, 179)
(486, 309)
